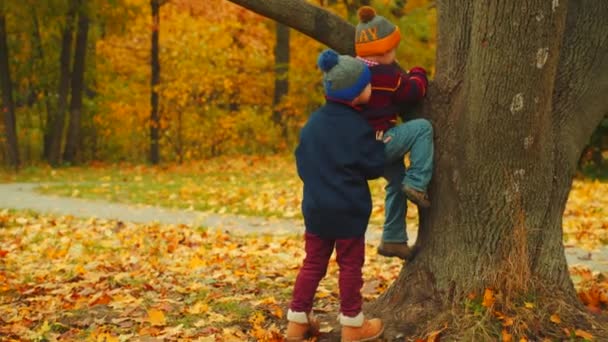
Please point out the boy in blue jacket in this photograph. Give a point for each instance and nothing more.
(336, 156)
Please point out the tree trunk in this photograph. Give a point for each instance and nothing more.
(281, 72)
(56, 123)
(73, 138)
(155, 81)
(520, 86)
(39, 56)
(8, 108)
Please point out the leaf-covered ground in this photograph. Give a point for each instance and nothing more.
(67, 278)
(75, 279)
(88, 279)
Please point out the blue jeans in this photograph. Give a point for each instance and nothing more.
(416, 137)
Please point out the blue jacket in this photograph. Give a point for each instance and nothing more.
(336, 155)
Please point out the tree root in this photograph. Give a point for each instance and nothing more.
(421, 312)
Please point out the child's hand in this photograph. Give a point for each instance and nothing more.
(380, 137)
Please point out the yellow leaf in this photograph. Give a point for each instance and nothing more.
(583, 334)
(434, 336)
(156, 317)
(196, 262)
(529, 305)
(555, 319)
(198, 308)
(488, 298)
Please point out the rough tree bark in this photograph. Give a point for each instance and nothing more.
(154, 82)
(8, 106)
(519, 89)
(73, 137)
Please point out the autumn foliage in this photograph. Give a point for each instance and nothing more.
(217, 76)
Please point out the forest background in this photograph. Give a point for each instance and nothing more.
(171, 81)
(221, 90)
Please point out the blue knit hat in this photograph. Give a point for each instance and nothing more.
(344, 77)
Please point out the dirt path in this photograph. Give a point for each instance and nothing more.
(23, 196)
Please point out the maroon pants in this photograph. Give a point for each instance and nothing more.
(350, 256)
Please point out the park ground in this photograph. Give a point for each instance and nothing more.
(206, 251)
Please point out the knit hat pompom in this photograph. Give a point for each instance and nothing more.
(327, 60)
(344, 77)
(366, 14)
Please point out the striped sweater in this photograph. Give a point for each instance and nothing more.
(392, 91)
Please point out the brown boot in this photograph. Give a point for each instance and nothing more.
(420, 198)
(360, 329)
(301, 326)
(395, 249)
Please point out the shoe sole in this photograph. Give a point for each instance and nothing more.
(390, 255)
(375, 337)
(416, 201)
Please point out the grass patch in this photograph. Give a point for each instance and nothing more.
(254, 186)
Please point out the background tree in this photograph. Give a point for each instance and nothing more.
(281, 70)
(154, 82)
(56, 123)
(8, 106)
(515, 98)
(73, 140)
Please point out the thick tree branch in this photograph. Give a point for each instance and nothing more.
(313, 21)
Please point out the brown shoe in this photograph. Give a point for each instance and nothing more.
(395, 249)
(360, 329)
(420, 198)
(301, 326)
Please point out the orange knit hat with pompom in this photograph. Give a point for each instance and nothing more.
(375, 35)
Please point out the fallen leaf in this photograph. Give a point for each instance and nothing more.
(555, 319)
(583, 334)
(506, 336)
(156, 317)
(488, 298)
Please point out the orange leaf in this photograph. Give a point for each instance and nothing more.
(506, 337)
(3, 253)
(100, 299)
(488, 298)
(583, 334)
(555, 319)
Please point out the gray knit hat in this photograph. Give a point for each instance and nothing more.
(344, 77)
(375, 35)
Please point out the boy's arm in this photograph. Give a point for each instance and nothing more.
(412, 87)
(371, 157)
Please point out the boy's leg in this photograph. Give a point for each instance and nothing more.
(394, 235)
(318, 252)
(301, 323)
(355, 327)
(350, 255)
(395, 205)
(415, 136)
